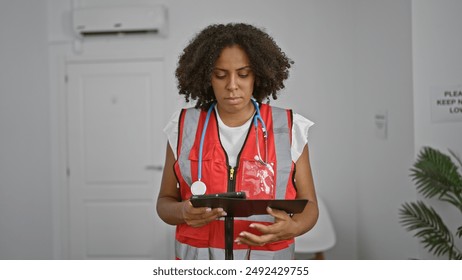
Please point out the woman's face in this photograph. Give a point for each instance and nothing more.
(233, 80)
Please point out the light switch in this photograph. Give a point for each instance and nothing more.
(381, 124)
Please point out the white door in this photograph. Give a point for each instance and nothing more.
(116, 152)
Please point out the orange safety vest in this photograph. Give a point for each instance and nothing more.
(216, 239)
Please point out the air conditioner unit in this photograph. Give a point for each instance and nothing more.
(100, 21)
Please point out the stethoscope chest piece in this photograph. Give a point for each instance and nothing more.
(198, 188)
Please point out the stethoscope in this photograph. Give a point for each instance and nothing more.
(199, 187)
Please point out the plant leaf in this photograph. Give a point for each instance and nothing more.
(434, 173)
(456, 158)
(459, 232)
(429, 228)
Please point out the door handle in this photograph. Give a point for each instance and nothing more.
(154, 167)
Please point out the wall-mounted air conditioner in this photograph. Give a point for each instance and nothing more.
(100, 21)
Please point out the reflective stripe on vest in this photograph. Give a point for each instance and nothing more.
(191, 119)
(283, 155)
(187, 252)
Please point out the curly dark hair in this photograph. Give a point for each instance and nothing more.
(268, 62)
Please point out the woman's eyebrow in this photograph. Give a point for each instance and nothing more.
(244, 68)
(239, 69)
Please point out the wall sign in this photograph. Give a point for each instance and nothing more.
(446, 104)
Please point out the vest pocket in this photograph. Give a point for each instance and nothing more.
(207, 152)
(207, 156)
(214, 168)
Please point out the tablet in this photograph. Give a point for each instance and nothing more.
(238, 207)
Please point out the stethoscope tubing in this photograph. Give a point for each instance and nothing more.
(201, 143)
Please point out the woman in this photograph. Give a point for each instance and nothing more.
(219, 146)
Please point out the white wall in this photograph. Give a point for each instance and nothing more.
(437, 61)
(383, 83)
(352, 59)
(321, 89)
(25, 145)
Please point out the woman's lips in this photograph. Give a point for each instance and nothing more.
(233, 100)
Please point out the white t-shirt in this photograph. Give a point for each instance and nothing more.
(232, 138)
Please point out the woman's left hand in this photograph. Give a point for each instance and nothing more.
(283, 228)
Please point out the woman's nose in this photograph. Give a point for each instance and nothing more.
(232, 83)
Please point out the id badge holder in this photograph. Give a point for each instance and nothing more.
(258, 179)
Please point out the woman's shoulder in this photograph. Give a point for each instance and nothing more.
(175, 116)
(172, 123)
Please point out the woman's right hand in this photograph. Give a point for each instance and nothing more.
(197, 217)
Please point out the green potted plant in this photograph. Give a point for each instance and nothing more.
(435, 175)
